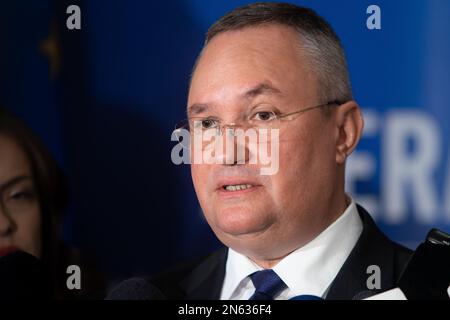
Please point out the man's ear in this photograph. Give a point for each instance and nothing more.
(349, 126)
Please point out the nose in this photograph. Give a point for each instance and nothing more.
(6, 223)
(233, 148)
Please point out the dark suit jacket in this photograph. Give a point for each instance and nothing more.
(203, 279)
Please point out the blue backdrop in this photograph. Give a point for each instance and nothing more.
(105, 99)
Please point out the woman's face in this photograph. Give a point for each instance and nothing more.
(20, 216)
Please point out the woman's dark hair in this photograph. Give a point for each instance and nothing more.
(50, 186)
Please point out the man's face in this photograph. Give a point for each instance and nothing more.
(278, 212)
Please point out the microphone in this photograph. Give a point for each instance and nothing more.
(23, 276)
(427, 274)
(393, 294)
(363, 295)
(306, 297)
(135, 289)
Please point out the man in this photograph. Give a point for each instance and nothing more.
(295, 232)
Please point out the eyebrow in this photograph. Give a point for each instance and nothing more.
(197, 108)
(259, 89)
(13, 181)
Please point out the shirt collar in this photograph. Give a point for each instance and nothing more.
(309, 269)
(238, 268)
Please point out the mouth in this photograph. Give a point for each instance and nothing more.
(236, 187)
(7, 250)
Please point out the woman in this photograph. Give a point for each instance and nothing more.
(33, 197)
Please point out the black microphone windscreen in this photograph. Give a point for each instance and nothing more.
(23, 276)
(427, 274)
(305, 297)
(135, 289)
(365, 294)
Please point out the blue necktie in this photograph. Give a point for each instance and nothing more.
(267, 285)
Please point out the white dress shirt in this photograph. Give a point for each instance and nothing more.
(309, 270)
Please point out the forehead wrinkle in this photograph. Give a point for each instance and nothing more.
(264, 88)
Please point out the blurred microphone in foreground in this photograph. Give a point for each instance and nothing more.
(427, 274)
(23, 276)
(135, 289)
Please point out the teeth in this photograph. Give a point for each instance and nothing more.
(237, 187)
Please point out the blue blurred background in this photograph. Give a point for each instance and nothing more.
(105, 100)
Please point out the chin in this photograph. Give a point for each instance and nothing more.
(255, 247)
(240, 225)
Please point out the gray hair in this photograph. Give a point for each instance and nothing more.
(318, 41)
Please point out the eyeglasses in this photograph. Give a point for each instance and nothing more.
(259, 118)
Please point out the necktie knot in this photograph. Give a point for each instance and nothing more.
(267, 285)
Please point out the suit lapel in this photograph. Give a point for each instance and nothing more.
(205, 281)
(372, 248)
